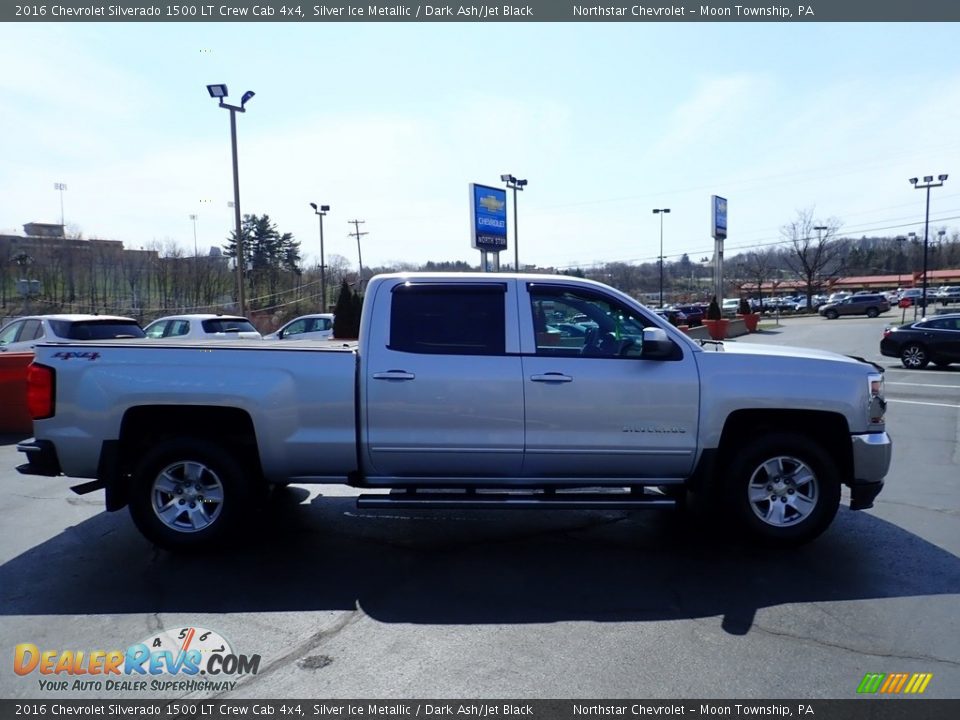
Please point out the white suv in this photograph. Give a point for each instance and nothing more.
(22, 334)
(202, 327)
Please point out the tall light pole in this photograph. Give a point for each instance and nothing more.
(61, 187)
(661, 212)
(196, 254)
(514, 184)
(219, 92)
(320, 212)
(900, 241)
(926, 185)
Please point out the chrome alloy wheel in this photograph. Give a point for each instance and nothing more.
(913, 357)
(187, 496)
(783, 491)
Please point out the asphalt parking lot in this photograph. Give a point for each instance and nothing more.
(341, 603)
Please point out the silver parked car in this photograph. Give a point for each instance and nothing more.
(22, 334)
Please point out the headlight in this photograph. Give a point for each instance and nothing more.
(876, 404)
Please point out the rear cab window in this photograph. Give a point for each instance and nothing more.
(461, 319)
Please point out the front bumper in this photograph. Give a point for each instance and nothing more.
(871, 462)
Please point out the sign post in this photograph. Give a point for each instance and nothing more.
(718, 222)
(488, 224)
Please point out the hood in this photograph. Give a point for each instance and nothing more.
(782, 351)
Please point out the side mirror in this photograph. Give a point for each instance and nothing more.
(657, 345)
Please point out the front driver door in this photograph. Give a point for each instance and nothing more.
(594, 407)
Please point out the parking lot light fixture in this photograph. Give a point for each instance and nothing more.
(219, 92)
(926, 185)
(320, 211)
(661, 212)
(514, 184)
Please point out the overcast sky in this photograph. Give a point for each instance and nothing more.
(389, 123)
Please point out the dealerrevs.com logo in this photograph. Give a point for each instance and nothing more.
(183, 660)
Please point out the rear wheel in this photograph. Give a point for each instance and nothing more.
(914, 357)
(783, 489)
(188, 494)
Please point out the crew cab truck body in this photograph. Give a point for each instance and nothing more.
(462, 383)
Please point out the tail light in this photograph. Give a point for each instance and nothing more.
(887, 330)
(40, 391)
(877, 403)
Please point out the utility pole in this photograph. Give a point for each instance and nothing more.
(357, 234)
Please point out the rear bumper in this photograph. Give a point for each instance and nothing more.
(41, 458)
(871, 462)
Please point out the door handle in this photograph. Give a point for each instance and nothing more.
(551, 377)
(394, 375)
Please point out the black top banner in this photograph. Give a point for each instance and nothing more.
(529, 11)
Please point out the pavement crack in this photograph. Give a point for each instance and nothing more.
(854, 650)
(945, 511)
(298, 651)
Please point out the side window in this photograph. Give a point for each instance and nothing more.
(296, 328)
(32, 329)
(156, 329)
(324, 324)
(574, 322)
(9, 333)
(448, 319)
(178, 328)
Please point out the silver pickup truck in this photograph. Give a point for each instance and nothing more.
(468, 391)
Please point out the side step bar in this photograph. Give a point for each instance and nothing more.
(412, 500)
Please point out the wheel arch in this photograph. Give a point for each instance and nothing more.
(828, 429)
(145, 426)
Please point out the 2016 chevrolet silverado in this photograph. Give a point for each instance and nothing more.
(466, 390)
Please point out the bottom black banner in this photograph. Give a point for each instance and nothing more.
(859, 709)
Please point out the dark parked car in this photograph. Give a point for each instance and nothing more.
(869, 305)
(694, 313)
(935, 339)
(673, 316)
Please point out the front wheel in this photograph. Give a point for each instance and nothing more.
(831, 315)
(914, 357)
(188, 494)
(783, 489)
(872, 312)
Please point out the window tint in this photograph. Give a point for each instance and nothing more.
(32, 330)
(567, 322)
(452, 319)
(96, 329)
(227, 325)
(177, 328)
(943, 323)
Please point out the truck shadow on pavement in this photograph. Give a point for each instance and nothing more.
(471, 567)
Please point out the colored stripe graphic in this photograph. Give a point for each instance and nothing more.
(895, 683)
(871, 683)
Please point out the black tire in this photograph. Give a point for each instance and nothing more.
(872, 312)
(792, 506)
(831, 315)
(914, 356)
(182, 471)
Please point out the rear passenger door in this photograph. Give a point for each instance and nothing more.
(443, 390)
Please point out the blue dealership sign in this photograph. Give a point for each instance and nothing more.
(719, 217)
(488, 218)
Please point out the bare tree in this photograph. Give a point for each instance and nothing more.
(759, 267)
(814, 255)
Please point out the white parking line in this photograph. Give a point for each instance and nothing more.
(917, 402)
